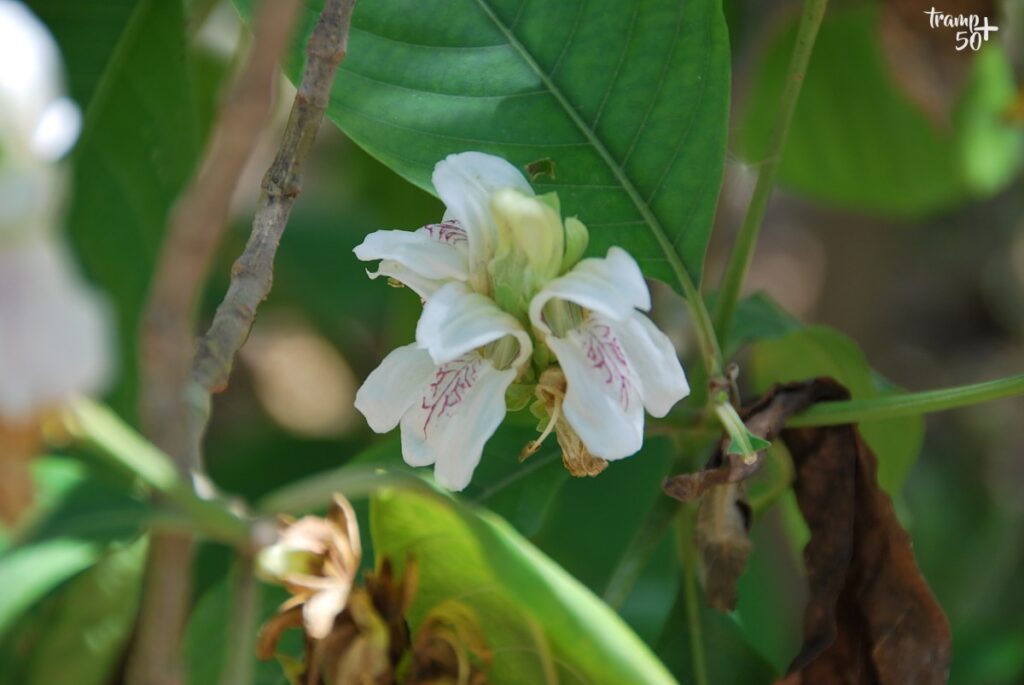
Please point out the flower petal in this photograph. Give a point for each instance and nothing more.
(612, 286)
(54, 332)
(660, 376)
(456, 321)
(459, 410)
(394, 386)
(320, 610)
(602, 400)
(465, 183)
(37, 81)
(423, 259)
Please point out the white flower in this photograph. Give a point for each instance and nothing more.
(38, 123)
(53, 331)
(501, 260)
(463, 244)
(447, 390)
(53, 328)
(615, 361)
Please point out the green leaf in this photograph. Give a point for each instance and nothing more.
(820, 351)
(536, 617)
(208, 633)
(91, 624)
(857, 141)
(87, 34)
(79, 514)
(628, 100)
(729, 657)
(758, 316)
(756, 444)
(138, 146)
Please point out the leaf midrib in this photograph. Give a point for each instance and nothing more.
(664, 242)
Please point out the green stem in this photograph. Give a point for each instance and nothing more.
(103, 432)
(241, 646)
(907, 404)
(351, 480)
(743, 251)
(688, 559)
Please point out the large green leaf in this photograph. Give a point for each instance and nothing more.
(87, 33)
(628, 99)
(820, 351)
(858, 141)
(538, 619)
(138, 146)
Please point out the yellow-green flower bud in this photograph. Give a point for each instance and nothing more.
(530, 246)
(576, 239)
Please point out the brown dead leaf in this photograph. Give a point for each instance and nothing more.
(871, 618)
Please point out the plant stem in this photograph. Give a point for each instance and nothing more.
(353, 481)
(743, 250)
(241, 644)
(101, 431)
(166, 342)
(688, 560)
(907, 404)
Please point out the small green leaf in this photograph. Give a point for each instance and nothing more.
(756, 444)
(820, 351)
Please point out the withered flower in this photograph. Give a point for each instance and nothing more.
(367, 639)
(575, 456)
(449, 648)
(316, 559)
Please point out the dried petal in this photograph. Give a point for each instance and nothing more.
(449, 647)
(575, 456)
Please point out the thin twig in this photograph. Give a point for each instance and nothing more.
(166, 341)
(195, 231)
(252, 274)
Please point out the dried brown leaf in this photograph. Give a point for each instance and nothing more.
(871, 618)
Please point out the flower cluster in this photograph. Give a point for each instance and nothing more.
(509, 299)
(53, 340)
